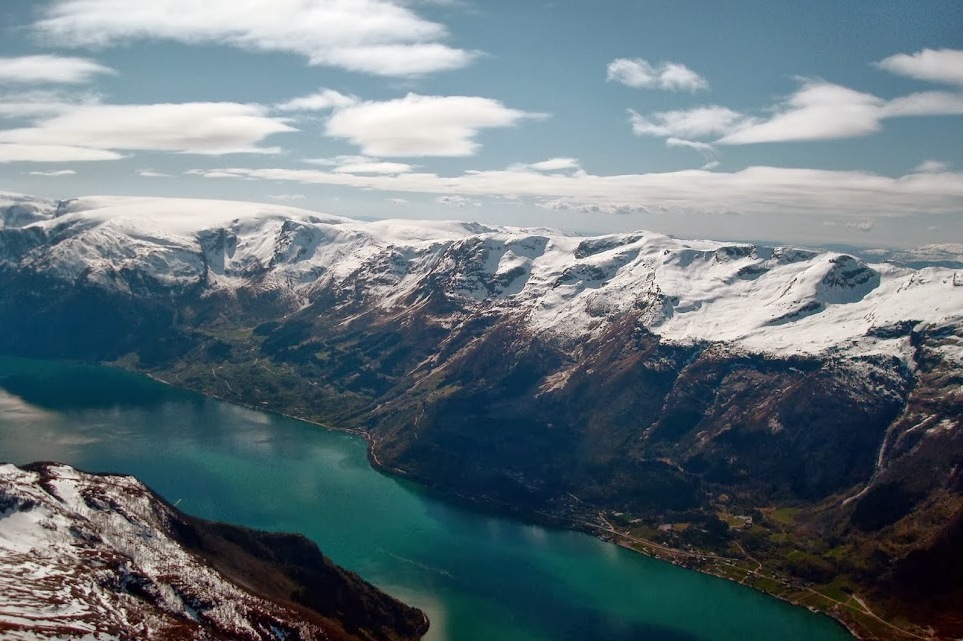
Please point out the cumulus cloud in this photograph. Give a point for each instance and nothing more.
(421, 125)
(773, 191)
(322, 100)
(48, 69)
(54, 173)
(638, 73)
(381, 37)
(201, 128)
(287, 197)
(150, 173)
(53, 153)
(935, 65)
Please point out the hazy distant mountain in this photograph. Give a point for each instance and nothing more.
(948, 255)
(667, 380)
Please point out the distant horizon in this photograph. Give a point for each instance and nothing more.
(954, 249)
(829, 122)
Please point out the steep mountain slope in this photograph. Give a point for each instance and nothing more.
(798, 407)
(88, 555)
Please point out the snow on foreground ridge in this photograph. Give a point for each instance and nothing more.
(89, 556)
(772, 300)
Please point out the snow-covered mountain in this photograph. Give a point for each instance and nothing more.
(775, 300)
(631, 374)
(101, 556)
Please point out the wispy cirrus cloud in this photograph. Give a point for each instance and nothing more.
(934, 65)
(639, 73)
(49, 69)
(200, 128)
(421, 125)
(702, 147)
(381, 37)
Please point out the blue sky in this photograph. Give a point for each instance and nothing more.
(767, 120)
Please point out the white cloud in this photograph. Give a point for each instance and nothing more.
(361, 165)
(687, 123)
(53, 153)
(927, 103)
(701, 147)
(555, 164)
(43, 102)
(591, 208)
(639, 73)
(150, 173)
(399, 59)
(401, 202)
(457, 201)
(862, 225)
(54, 173)
(374, 167)
(49, 69)
(421, 125)
(287, 197)
(932, 167)
(760, 190)
(380, 37)
(322, 100)
(202, 128)
(943, 65)
(818, 111)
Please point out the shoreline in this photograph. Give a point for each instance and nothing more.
(506, 510)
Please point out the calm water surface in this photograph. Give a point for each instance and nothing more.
(479, 578)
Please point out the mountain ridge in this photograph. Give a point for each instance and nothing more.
(685, 385)
(94, 554)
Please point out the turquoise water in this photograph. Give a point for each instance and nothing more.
(479, 577)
